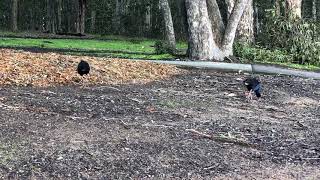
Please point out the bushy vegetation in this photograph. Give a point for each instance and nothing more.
(296, 40)
(162, 47)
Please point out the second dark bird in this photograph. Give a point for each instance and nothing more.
(83, 68)
(253, 85)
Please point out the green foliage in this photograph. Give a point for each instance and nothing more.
(259, 54)
(299, 38)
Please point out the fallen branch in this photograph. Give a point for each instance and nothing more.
(222, 139)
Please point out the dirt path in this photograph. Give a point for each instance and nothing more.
(143, 131)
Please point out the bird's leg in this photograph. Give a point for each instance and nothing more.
(249, 96)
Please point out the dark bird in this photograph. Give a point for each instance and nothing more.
(253, 85)
(83, 68)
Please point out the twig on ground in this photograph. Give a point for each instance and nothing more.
(222, 139)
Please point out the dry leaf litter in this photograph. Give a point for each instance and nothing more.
(23, 68)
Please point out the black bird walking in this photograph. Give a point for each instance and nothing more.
(253, 85)
(83, 68)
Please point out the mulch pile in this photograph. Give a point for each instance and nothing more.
(21, 68)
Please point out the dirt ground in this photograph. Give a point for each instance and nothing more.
(148, 130)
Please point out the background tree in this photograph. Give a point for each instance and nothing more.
(169, 30)
(15, 15)
(201, 39)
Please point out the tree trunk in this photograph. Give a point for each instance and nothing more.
(218, 26)
(170, 36)
(314, 9)
(245, 30)
(48, 18)
(148, 18)
(293, 9)
(117, 17)
(246, 25)
(59, 15)
(201, 42)
(15, 15)
(232, 25)
(93, 21)
(81, 17)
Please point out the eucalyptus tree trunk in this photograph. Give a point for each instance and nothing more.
(215, 17)
(170, 36)
(202, 43)
(245, 30)
(15, 15)
(293, 9)
(232, 25)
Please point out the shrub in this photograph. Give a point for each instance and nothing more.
(162, 47)
(300, 38)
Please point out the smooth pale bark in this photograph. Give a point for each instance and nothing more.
(15, 15)
(201, 42)
(232, 25)
(245, 30)
(93, 21)
(218, 26)
(293, 8)
(170, 36)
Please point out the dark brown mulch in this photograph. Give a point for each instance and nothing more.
(143, 131)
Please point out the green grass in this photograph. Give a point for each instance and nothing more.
(134, 48)
(129, 48)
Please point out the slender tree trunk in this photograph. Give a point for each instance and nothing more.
(93, 21)
(48, 18)
(218, 26)
(293, 9)
(246, 25)
(232, 25)
(59, 15)
(314, 9)
(15, 15)
(245, 30)
(82, 16)
(170, 36)
(117, 17)
(256, 18)
(148, 18)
